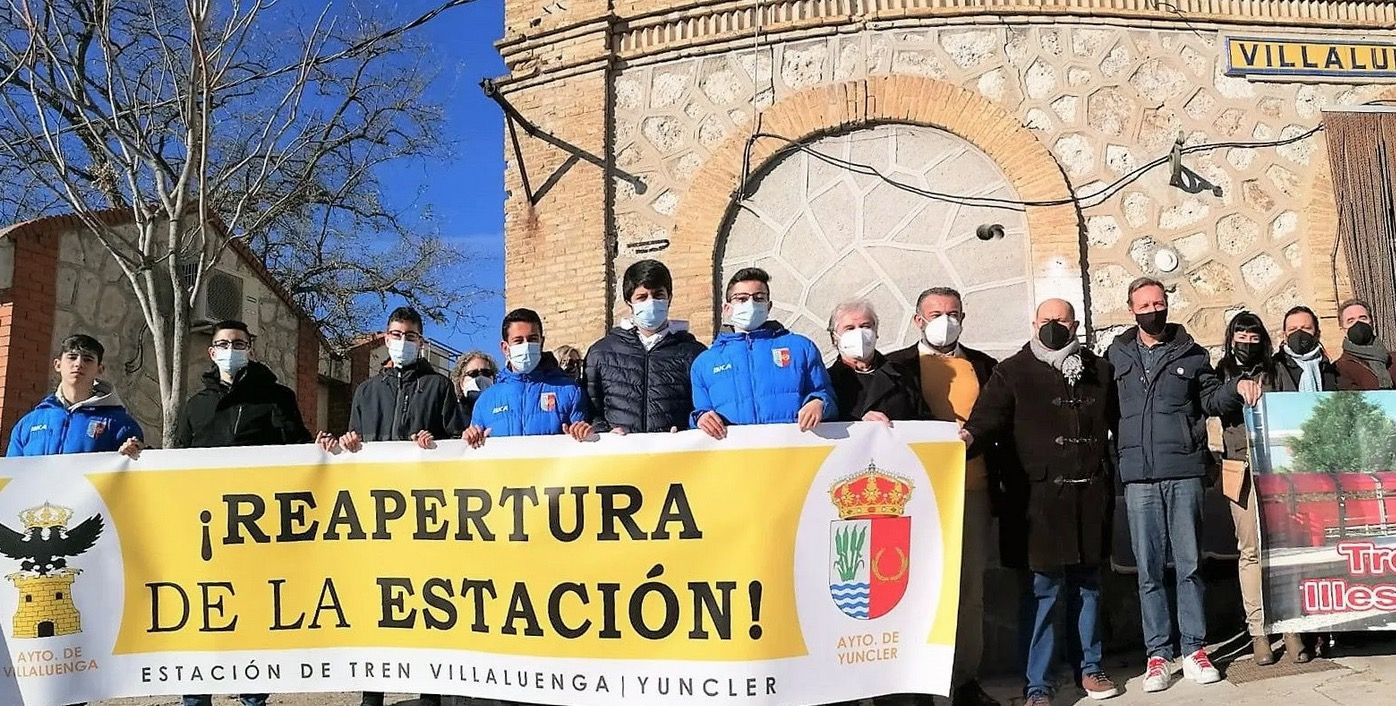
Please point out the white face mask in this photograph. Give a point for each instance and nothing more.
(749, 315)
(229, 361)
(475, 384)
(524, 357)
(403, 352)
(943, 331)
(650, 314)
(858, 343)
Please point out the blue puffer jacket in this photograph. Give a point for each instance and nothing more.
(100, 423)
(531, 404)
(760, 377)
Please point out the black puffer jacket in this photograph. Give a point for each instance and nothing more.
(399, 402)
(253, 411)
(639, 390)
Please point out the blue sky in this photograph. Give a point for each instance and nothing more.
(466, 192)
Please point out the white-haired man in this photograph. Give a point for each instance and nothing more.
(867, 386)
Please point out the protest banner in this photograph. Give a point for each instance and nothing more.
(1325, 476)
(772, 567)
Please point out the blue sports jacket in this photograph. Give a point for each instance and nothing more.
(761, 377)
(100, 423)
(531, 404)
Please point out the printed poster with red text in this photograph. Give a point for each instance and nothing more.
(1325, 477)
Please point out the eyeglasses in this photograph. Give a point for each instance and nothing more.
(477, 373)
(235, 345)
(744, 298)
(411, 336)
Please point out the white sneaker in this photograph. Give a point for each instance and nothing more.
(1157, 676)
(1198, 668)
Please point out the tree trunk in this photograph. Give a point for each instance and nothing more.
(178, 344)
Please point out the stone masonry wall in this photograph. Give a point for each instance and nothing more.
(94, 297)
(1104, 98)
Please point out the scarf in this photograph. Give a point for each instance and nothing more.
(1067, 361)
(1311, 379)
(1375, 356)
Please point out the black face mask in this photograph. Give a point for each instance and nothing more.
(1362, 333)
(1054, 335)
(1152, 322)
(1302, 342)
(1247, 353)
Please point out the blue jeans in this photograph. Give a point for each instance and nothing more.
(1162, 515)
(246, 699)
(1083, 604)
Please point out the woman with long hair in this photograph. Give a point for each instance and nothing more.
(1250, 355)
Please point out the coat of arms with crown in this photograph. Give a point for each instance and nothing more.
(45, 580)
(870, 543)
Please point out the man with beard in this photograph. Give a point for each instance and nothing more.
(1167, 388)
(1056, 402)
(1365, 364)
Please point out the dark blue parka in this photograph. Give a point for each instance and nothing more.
(1162, 433)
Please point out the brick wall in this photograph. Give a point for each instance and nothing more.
(556, 253)
(26, 328)
(307, 384)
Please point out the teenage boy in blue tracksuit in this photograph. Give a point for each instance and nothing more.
(758, 372)
(533, 395)
(84, 415)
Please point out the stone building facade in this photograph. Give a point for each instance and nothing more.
(57, 280)
(667, 131)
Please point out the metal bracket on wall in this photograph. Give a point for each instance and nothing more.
(1186, 179)
(513, 117)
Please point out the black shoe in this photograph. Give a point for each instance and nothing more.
(971, 694)
(372, 699)
(430, 700)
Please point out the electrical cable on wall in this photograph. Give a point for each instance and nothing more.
(1089, 200)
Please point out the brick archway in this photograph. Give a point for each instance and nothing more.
(1054, 231)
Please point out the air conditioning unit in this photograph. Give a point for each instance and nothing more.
(221, 299)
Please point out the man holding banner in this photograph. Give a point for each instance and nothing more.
(241, 405)
(758, 372)
(408, 401)
(84, 415)
(951, 376)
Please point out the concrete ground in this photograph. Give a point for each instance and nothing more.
(1366, 675)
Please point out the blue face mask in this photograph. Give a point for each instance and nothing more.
(749, 315)
(524, 357)
(403, 352)
(229, 361)
(650, 314)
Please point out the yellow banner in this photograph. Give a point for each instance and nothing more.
(773, 567)
(1261, 57)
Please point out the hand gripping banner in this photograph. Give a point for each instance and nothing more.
(772, 567)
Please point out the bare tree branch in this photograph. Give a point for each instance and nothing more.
(188, 113)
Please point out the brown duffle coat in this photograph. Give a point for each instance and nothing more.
(1059, 496)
